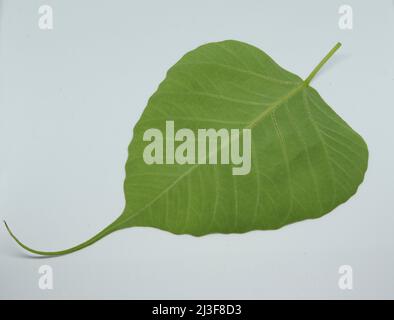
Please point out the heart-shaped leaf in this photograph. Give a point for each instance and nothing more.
(305, 160)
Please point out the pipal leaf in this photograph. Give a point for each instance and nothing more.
(305, 160)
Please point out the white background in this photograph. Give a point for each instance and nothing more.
(70, 97)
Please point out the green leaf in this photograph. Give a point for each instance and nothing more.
(306, 160)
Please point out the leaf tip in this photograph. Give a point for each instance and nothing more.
(8, 229)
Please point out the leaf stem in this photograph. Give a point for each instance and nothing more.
(92, 240)
(322, 63)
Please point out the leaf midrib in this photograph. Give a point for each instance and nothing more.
(254, 122)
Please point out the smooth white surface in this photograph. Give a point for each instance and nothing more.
(70, 97)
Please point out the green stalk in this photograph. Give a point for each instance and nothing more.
(322, 63)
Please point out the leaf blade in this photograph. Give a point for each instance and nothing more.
(280, 91)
